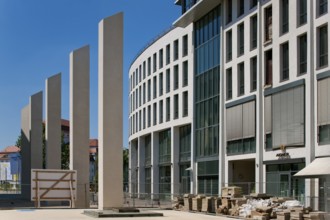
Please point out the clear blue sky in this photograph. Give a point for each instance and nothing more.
(36, 37)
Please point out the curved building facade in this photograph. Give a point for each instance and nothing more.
(256, 108)
(161, 113)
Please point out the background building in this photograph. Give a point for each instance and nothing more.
(236, 93)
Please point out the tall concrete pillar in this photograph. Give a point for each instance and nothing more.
(154, 165)
(53, 122)
(36, 130)
(111, 112)
(175, 168)
(141, 167)
(79, 122)
(31, 133)
(26, 152)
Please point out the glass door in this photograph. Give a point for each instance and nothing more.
(285, 184)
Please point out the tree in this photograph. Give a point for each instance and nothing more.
(65, 150)
(65, 154)
(19, 141)
(125, 165)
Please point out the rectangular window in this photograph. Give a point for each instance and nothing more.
(176, 76)
(323, 111)
(144, 118)
(302, 13)
(229, 45)
(185, 73)
(144, 69)
(268, 122)
(176, 50)
(240, 34)
(185, 45)
(240, 8)
(176, 106)
(160, 111)
(254, 31)
(168, 80)
(322, 7)
(149, 116)
(302, 54)
(253, 64)
(288, 118)
(133, 80)
(155, 87)
(241, 128)
(161, 57)
(140, 96)
(144, 93)
(285, 16)
(149, 90)
(133, 124)
(185, 104)
(253, 3)
(168, 109)
(229, 85)
(168, 54)
(149, 66)
(268, 24)
(155, 113)
(160, 84)
(140, 120)
(284, 61)
(269, 67)
(323, 46)
(229, 11)
(240, 78)
(155, 62)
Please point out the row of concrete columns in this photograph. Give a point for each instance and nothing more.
(109, 120)
(137, 165)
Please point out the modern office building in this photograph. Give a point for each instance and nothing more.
(236, 93)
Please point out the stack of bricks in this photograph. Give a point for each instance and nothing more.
(228, 193)
(262, 213)
(187, 201)
(197, 203)
(285, 215)
(316, 216)
(208, 204)
(298, 212)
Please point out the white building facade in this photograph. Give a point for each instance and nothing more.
(236, 93)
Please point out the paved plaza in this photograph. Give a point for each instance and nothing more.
(73, 214)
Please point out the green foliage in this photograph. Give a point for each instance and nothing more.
(125, 164)
(19, 141)
(65, 150)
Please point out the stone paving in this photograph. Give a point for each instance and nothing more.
(75, 214)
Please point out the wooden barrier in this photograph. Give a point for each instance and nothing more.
(53, 185)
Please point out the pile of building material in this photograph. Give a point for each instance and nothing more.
(178, 203)
(197, 203)
(256, 206)
(187, 200)
(208, 204)
(231, 199)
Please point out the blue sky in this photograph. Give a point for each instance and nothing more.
(36, 37)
